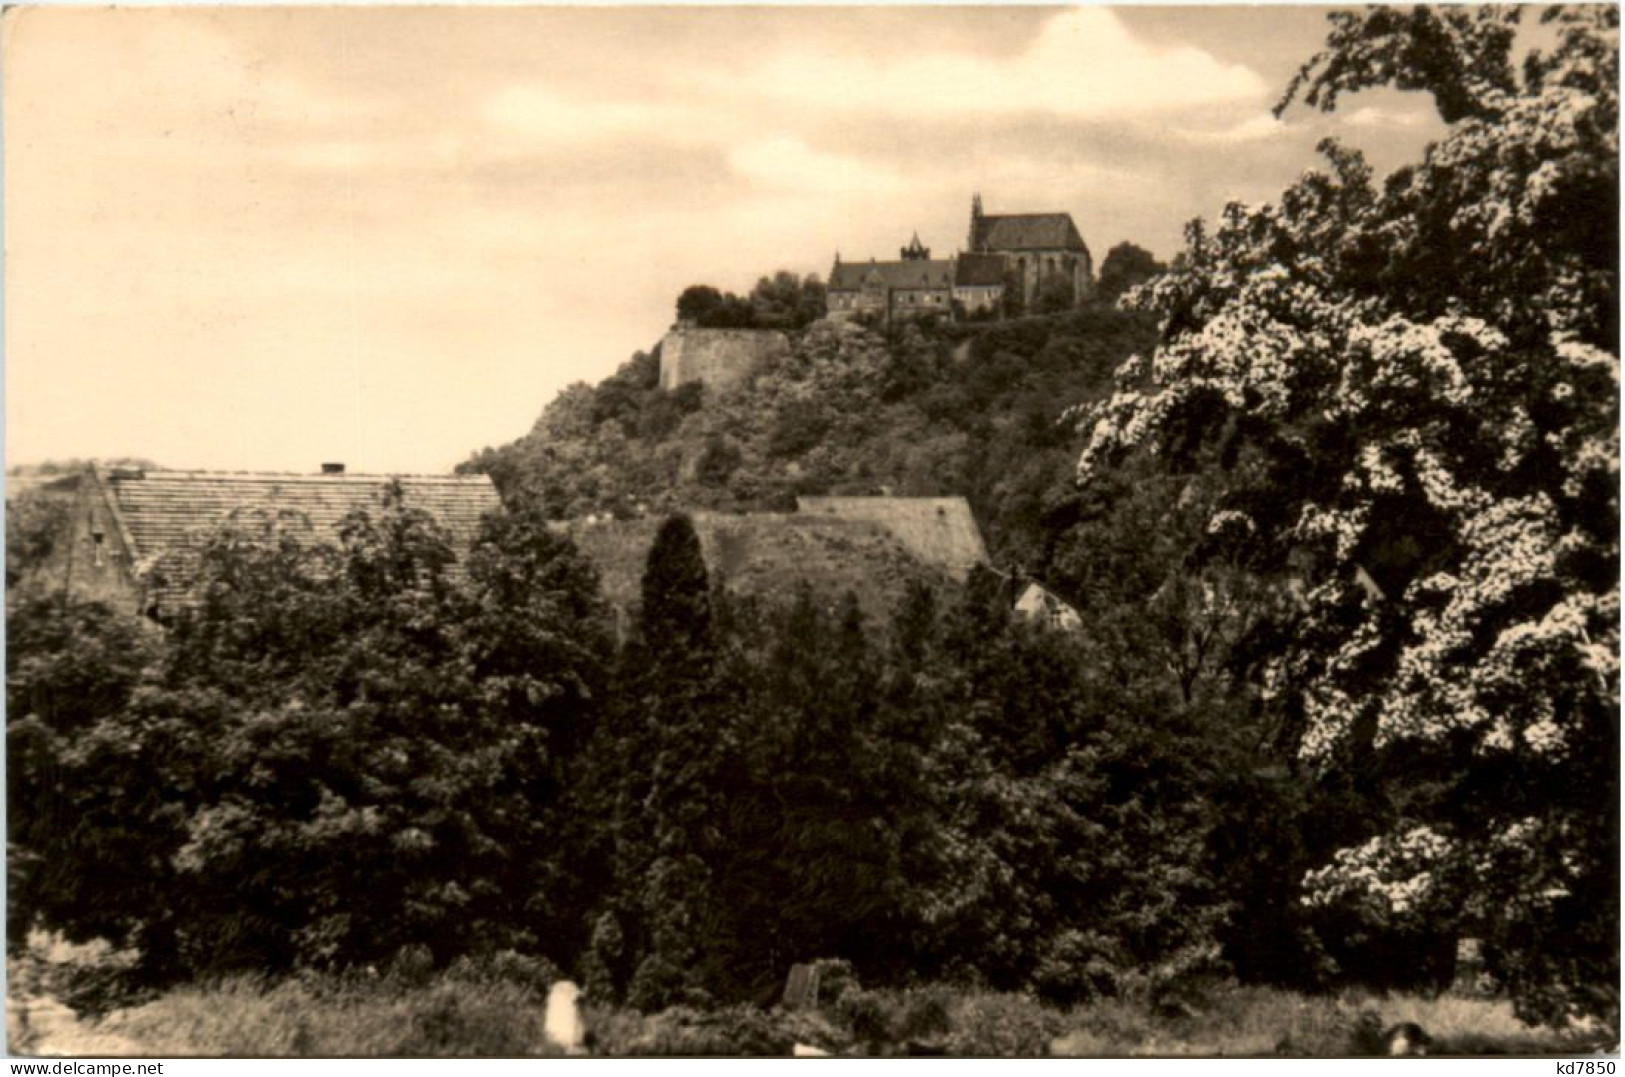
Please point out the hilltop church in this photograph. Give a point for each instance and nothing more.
(1014, 250)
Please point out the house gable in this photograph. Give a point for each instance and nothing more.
(1038, 603)
(92, 556)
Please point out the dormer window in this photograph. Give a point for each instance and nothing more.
(97, 540)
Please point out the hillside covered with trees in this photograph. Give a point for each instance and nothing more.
(925, 410)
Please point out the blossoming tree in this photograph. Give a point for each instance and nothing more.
(1416, 385)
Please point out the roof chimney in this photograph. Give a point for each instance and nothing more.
(333, 469)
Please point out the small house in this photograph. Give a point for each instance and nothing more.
(1038, 603)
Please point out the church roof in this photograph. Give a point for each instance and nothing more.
(980, 269)
(914, 273)
(1027, 231)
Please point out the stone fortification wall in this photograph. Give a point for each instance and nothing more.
(718, 357)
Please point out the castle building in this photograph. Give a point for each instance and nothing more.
(979, 282)
(915, 285)
(1024, 250)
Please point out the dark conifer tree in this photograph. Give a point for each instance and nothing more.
(675, 624)
(834, 865)
(674, 747)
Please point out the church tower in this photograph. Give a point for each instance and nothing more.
(974, 242)
(915, 251)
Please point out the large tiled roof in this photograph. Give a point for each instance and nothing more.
(764, 554)
(1027, 231)
(167, 514)
(940, 531)
(916, 273)
(979, 270)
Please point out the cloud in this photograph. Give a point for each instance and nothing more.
(1083, 64)
(789, 164)
(1374, 116)
(1253, 129)
(327, 155)
(538, 113)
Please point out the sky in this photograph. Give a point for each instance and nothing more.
(264, 238)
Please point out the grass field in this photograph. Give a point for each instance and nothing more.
(476, 1011)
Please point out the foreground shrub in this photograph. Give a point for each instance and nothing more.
(536, 974)
(738, 1031)
(890, 1021)
(1252, 1022)
(90, 978)
(455, 1019)
(1002, 1026)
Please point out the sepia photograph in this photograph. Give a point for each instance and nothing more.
(866, 532)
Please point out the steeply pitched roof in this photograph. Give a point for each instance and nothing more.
(1036, 600)
(913, 273)
(938, 530)
(1027, 231)
(979, 270)
(167, 514)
